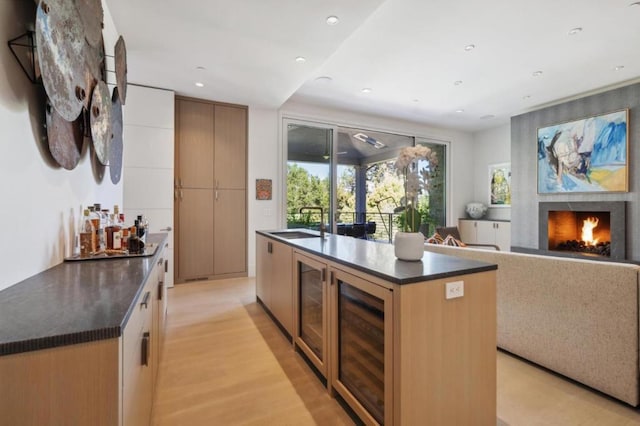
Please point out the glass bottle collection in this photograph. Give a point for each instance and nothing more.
(104, 232)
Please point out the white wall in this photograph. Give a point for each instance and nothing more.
(149, 160)
(492, 146)
(40, 201)
(263, 163)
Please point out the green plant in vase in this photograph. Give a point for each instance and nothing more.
(410, 247)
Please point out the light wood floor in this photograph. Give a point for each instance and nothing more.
(225, 363)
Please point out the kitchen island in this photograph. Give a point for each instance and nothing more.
(402, 343)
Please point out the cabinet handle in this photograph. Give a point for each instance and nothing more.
(331, 277)
(269, 247)
(323, 274)
(145, 300)
(160, 285)
(216, 195)
(166, 266)
(167, 229)
(160, 261)
(180, 182)
(180, 194)
(144, 359)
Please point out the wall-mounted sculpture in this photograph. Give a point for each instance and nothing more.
(71, 61)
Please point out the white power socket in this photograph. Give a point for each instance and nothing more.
(454, 289)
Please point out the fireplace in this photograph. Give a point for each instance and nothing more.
(590, 229)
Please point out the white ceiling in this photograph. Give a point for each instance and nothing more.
(409, 52)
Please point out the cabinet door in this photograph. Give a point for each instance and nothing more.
(282, 284)
(362, 346)
(195, 242)
(468, 232)
(230, 231)
(312, 311)
(264, 248)
(194, 144)
(503, 235)
(486, 232)
(137, 364)
(230, 147)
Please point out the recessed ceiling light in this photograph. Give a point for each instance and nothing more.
(459, 111)
(525, 97)
(416, 100)
(457, 82)
(619, 68)
(537, 73)
(367, 90)
(301, 59)
(575, 31)
(487, 117)
(199, 84)
(200, 68)
(332, 20)
(469, 47)
(324, 78)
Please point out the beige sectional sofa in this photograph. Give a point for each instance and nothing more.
(576, 317)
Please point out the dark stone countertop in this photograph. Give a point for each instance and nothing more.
(378, 259)
(74, 302)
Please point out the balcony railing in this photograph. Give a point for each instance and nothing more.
(386, 224)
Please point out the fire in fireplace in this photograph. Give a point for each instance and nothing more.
(583, 228)
(585, 232)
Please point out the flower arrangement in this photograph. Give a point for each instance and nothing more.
(415, 181)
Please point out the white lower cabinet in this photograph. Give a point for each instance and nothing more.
(486, 232)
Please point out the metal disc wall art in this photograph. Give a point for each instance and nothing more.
(65, 138)
(92, 16)
(100, 119)
(93, 68)
(115, 153)
(121, 69)
(60, 45)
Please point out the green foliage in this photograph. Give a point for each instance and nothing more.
(304, 189)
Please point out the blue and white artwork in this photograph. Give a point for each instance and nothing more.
(587, 155)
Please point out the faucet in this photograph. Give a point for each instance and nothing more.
(322, 227)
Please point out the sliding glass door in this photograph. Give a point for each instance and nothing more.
(346, 178)
(309, 180)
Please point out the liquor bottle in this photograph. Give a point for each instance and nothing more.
(87, 236)
(95, 219)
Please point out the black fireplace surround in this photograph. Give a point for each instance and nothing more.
(617, 223)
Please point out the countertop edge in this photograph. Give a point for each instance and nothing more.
(386, 277)
(84, 336)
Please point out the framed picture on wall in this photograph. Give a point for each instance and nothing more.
(263, 189)
(500, 185)
(586, 155)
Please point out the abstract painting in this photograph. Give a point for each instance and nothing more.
(500, 185)
(586, 155)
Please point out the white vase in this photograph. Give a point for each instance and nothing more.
(409, 245)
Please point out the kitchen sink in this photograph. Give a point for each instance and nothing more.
(291, 235)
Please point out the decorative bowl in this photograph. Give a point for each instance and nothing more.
(476, 210)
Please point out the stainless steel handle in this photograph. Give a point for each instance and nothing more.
(181, 194)
(145, 301)
(216, 195)
(145, 348)
(168, 228)
(180, 182)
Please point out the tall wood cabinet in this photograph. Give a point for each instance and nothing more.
(210, 190)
